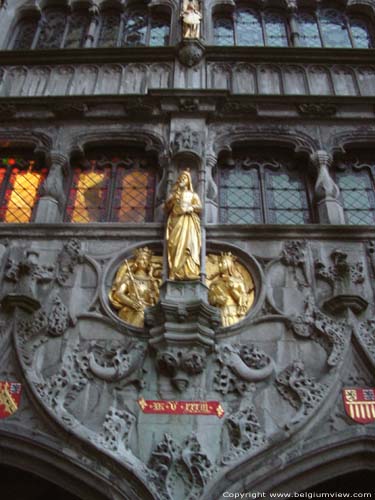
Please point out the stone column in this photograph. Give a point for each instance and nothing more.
(91, 32)
(52, 200)
(211, 207)
(293, 23)
(326, 192)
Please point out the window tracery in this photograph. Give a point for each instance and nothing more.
(20, 182)
(262, 188)
(115, 186)
(355, 176)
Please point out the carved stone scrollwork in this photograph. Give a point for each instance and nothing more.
(187, 464)
(239, 366)
(317, 109)
(294, 255)
(344, 277)
(332, 335)
(117, 428)
(119, 363)
(244, 433)
(68, 258)
(301, 391)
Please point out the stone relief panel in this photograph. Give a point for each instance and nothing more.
(271, 373)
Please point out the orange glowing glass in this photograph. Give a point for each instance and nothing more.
(89, 195)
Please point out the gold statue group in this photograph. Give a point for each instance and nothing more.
(137, 282)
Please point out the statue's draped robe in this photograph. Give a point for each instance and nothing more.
(183, 235)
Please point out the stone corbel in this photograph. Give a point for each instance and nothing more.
(326, 192)
(52, 200)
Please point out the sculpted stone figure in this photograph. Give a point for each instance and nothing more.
(183, 233)
(191, 19)
(229, 291)
(136, 287)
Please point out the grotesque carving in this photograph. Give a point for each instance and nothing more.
(246, 364)
(345, 279)
(171, 464)
(244, 433)
(191, 18)
(136, 286)
(231, 288)
(332, 335)
(178, 363)
(183, 232)
(302, 392)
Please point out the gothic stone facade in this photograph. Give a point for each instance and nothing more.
(279, 372)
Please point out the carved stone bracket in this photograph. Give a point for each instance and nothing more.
(344, 277)
(190, 52)
(182, 327)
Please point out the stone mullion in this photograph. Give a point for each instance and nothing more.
(93, 26)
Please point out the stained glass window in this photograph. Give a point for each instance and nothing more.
(223, 31)
(309, 31)
(26, 30)
(143, 29)
(334, 28)
(260, 189)
(159, 31)
(20, 182)
(136, 29)
(117, 187)
(248, 28)
(275, 30)
(360, 33)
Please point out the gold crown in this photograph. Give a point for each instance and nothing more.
(143, 251)
(228, 255)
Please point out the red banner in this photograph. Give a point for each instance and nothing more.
(360, 404)
(162, 406)
(10, 395)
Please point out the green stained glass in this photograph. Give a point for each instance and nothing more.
(358, 197)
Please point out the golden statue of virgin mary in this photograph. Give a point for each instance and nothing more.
(183, 233)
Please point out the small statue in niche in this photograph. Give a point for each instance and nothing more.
(231, 288)
(136, 286)
(183, 233)
(191, 19)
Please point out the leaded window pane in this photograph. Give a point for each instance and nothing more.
(334, 28)
(248, 28)
(275, 30)
(159, 32)
(357, 192)
(20, 182)
(286, 199)
(134, 196)
(25, 34)
(110, 29)
(223, 31)
(88, 195)
(78, 26)
(309, 31)
(136, 29)
(53, 28)
(360, 33)
(239, 196)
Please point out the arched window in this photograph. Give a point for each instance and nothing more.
(332, 28)
(25, 33)
(355, 178)
(117, 186)
(262, 188)
(142, 29)
(248, 27)
(20, 180)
